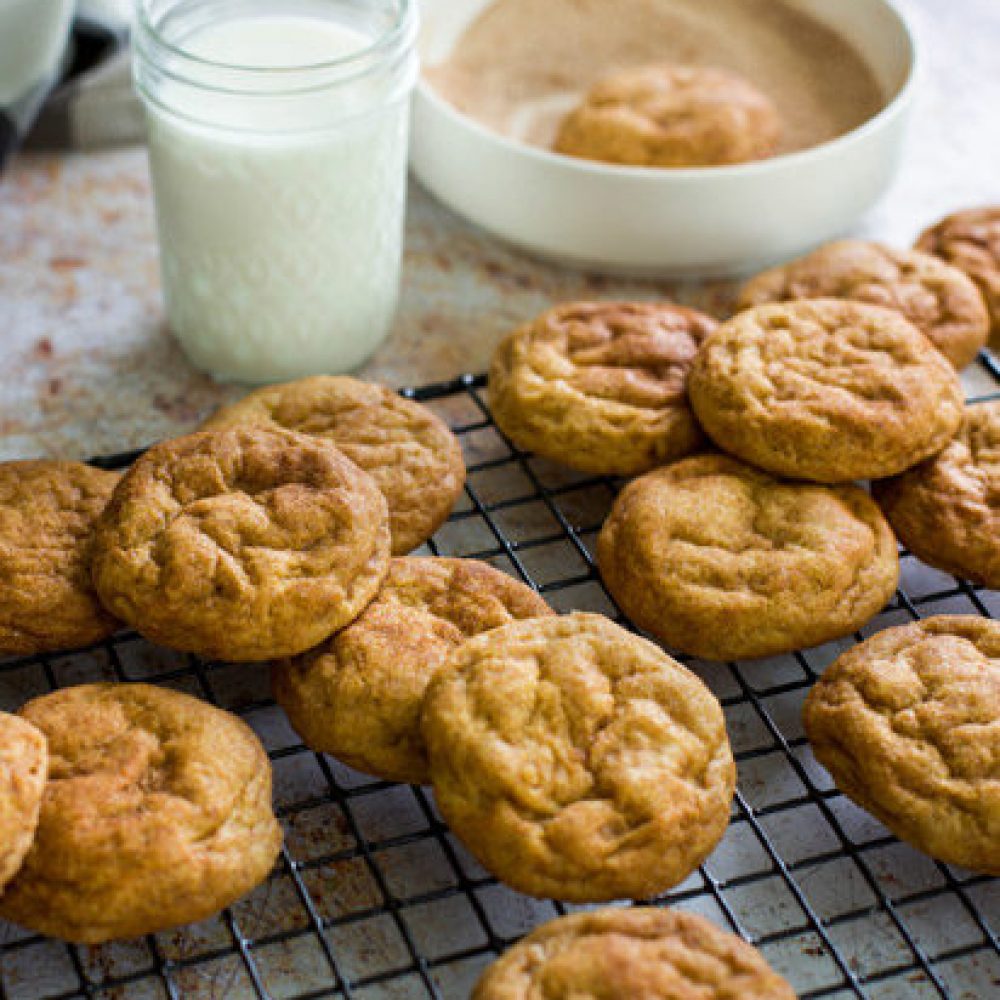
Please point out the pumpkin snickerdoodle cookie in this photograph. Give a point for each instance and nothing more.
(939, 300)
(908, 725)
(157, 812)
(358, 696)
(576, 760)
(409, 452)
(625, 954)
(825, 389)
(971, 241)
(24, 763)
(47, 515)
(244, 544)
(946, 511)
(723, 561)
(672, 116)
(601, 386)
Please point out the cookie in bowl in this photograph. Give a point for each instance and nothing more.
(908, 725)
(623, 954)
(940, 300)
(827, 390)
(24, 764)
(723, 561)
(413, 457)
(672, 116)
(971, 241)
(601, 386)
(577, 760)
(156, 813)
(48, 510)
(242, 545)
(358, 696)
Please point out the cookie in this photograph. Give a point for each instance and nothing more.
(672, 116)
(939, 300)
(825, 389)
(946, 511)
(244, 544)
(157, 812)
(625, 954)
(409, 452)
(24, 763)
(971, 241)
(601, 386)
(578, 761)
(47, 515)
(908, 725)
(358, 696)
(725, 562)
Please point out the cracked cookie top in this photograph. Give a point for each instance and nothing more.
(601, 386)
(47, 514)
(157, 812)
(908, 725)
(623, 954)
(825, 389)
(23, 768)
(358, 696)
(939, 300)
(413, 457)
(720, 560)
(576, 760)
(244, 544)
(672, 116)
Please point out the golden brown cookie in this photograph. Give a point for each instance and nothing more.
(578, 761)
(409, 452)
(628, 954)
(47, 515)
(908, 725)
(946, 511)
(601, 386)
(939, 300)
(24, 763)
(245, 544)
(825, 389)
(672, 116)
(725, 562)
(971, 241)
(157, 812)
(358, 696)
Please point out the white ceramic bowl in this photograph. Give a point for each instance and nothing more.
(707, 222)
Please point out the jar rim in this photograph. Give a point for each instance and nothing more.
(399, 32)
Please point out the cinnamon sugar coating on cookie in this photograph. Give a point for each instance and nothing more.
(601, 386)
(157, 812)
(578, 761)
(946, 510)
(908, 725)
(971, 241)
(358, 696)
(47, 514)
(413, 457)
(623, 954)
(940, 300)
(723, 561)
(826, 390)
(244, 544)
(24, 764)
(672, 116)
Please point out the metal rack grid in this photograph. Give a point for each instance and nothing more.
(374, 899)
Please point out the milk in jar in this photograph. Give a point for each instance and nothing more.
(278, 143)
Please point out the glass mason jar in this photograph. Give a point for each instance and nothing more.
(278, 145)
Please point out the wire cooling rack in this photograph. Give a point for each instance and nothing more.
(374, 899)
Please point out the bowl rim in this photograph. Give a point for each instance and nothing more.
(652, 175)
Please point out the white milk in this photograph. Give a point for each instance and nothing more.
(32, 38)
(280, 214)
